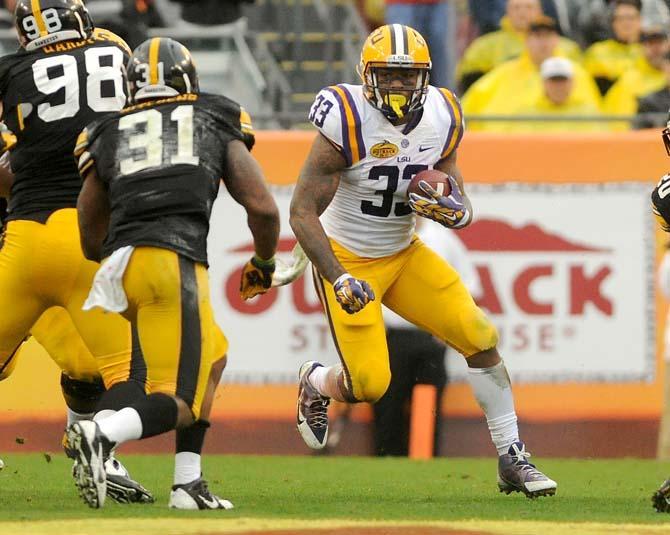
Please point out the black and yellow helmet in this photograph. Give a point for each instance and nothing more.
(395, 46)
(42, 22)
(161, 67)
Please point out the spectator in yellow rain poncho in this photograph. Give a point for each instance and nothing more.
(490, 50)
(607, 60)
(645, 77)
(559, 98)
(517, 84)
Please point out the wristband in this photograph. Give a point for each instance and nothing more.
(342, 278)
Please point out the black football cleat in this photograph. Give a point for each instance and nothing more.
(312, 417)
(91, 449)
(196, 495)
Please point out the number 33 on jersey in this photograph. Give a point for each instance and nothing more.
(369, 214)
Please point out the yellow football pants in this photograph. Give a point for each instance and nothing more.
(169, 307)
(56, 333)
(420, 286)
(42, 266)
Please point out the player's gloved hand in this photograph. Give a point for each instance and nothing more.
(352, 294)
(448, 210)
(256, 277)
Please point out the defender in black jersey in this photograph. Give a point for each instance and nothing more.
(65, 74)
(151, 174)
(660, 205)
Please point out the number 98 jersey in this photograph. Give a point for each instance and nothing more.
(369, 214)
(48, 96)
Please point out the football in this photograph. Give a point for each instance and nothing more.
(437, 179)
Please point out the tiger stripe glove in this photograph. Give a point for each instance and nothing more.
(450, 211)
(256, 277)
(352, 294)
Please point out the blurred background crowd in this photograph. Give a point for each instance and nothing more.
(518, 65)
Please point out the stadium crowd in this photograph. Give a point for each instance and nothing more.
(614, 54)
(583, 60)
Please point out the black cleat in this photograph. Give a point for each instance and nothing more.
(91, 450)
(121, 487)
(661, 498)
(195, 495)
(312, 418)
(516, 474)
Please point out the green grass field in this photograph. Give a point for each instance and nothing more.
(341, 488)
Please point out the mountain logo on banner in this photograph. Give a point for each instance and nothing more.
(497, 235)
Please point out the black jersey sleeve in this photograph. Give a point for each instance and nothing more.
(660, 202)
(232, 119)
(88, 146)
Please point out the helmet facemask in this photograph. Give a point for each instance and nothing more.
(395, 101)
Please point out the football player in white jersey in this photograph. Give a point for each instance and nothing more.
(351, 214)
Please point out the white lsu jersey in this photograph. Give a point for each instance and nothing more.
(369, 214)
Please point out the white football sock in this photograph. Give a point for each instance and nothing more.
(493, 391)
(325, 380)
(186, 467)
(73, 417)
(123, 426)
(104, 413)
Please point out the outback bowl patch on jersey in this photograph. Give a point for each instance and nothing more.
(385, 149)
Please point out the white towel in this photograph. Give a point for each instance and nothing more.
(107, 291)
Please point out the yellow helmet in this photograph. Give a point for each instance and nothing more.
(395, 46)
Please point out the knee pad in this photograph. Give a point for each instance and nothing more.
(478, 329)
(81, 396)
(370, 386)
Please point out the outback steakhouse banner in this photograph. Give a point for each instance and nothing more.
(568, 282)
(566, 274)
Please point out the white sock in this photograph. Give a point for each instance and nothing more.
(123, 426)
(186, 467)
(325, 380)
(493, 391)
(104, 413)
(73, 417)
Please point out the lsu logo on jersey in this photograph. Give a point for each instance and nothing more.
(385, 149)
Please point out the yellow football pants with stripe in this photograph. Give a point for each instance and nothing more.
(42, 266)
(170, 309)
(420, 286)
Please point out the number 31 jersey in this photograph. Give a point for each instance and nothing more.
(48, 96)
(163, 161)
(369, 214)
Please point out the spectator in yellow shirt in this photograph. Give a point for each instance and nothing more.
(511, 86)
(645, 77)
(607, 60)
(560, 98)
(490, 50)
